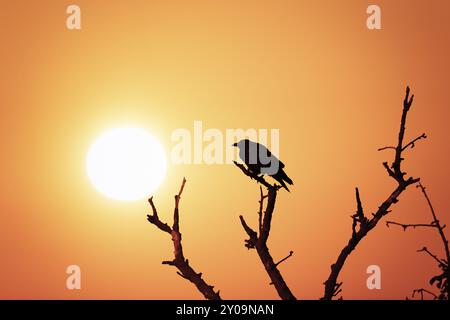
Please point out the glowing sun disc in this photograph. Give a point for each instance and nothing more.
(126, 164)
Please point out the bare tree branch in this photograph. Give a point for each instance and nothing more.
(179, 261)
(386, 148)
(251, 242)
(441, 280)
(412, 143)
(365, 225)
(258, 240)
(427, 251)
(154, 219)
(436, 222)
(285, 258)
(406, 226)
(422, 291)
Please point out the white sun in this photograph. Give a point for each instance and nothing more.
(126, 164)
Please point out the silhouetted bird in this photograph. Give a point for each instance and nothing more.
(260, 160)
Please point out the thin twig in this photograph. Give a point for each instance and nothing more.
(425, 249)
(406, 226)
(412, 143)
(386, 148)
(421, 292)
(285, 258)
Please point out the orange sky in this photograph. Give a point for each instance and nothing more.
(310, 68)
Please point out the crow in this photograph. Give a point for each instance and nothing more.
(260, 160)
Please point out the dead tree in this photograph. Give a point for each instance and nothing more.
(441, 280)
(258, 240)
(363, 224)
(179, 261)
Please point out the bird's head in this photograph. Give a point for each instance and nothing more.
(240, 144)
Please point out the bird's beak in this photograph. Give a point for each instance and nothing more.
(234, 144)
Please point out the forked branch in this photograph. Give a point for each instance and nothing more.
(362, 224)
(179, 261)
(258, 240)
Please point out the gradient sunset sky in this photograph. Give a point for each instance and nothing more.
(309, 68)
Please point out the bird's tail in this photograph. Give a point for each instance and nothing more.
(287, 179)
(284, 185)
(281, 177)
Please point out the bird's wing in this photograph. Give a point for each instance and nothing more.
(263, 148)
